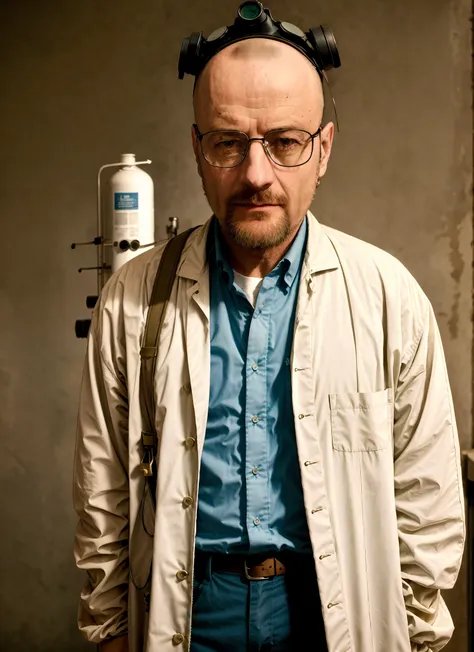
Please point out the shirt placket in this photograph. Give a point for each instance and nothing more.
(256, 445)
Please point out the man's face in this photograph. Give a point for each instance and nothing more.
(266, 86)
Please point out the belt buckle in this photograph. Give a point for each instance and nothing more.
(251, 577)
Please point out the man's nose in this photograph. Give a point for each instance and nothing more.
(257, 168)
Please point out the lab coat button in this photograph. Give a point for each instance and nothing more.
(189, 442)
(182, 574)
(188, 501)
(177, 639)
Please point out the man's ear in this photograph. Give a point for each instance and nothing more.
(327, 137)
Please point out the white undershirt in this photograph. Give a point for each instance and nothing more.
(250, 285)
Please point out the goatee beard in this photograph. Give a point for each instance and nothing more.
(247, 238)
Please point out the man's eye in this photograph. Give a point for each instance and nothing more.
(286, 142)
(226, 144)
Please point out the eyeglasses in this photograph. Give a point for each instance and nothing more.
(288, 148)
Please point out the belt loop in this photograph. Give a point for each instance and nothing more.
(209, 567)
(203, 565)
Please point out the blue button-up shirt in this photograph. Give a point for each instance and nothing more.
(250, 494)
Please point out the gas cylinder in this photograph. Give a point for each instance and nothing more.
(133, 213)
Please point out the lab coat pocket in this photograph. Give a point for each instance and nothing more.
(361, 422)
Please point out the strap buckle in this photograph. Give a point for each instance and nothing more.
(146, 468)
(252, 577)
(149, 447)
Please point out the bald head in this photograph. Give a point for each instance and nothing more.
(256, 67)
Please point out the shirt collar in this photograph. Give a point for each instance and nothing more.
(291, 261)
(287, 268)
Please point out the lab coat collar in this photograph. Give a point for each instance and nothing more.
(320, 254)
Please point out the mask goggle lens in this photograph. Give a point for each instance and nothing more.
(250, 10)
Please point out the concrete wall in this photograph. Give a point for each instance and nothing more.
(81, 82)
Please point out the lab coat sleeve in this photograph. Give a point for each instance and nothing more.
(428, 487)
(101, 495)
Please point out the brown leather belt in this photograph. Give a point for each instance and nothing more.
(254, 567)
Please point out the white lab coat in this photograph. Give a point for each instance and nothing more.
(377, 446)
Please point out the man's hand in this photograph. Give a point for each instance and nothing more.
(119, 644)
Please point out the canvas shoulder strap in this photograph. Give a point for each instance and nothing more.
(160, 295)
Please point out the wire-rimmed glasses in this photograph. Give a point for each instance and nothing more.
(228, 148)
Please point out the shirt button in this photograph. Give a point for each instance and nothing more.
(189, 442)
(188, 501)
(177, 639)
(182, 574)
(255, 367)
(255, 419)
(255, 470)
(256, 521)
(287, 361)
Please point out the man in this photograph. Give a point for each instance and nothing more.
(305, 422)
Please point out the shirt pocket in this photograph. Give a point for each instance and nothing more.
(361, 422)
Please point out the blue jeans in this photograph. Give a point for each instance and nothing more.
(234, 614)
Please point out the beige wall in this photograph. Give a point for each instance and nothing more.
(81, 82)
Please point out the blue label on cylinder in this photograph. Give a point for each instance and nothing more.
(126, 201)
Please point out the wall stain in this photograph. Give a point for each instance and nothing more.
(459, 182)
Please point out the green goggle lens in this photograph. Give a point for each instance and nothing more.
(250, 10)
